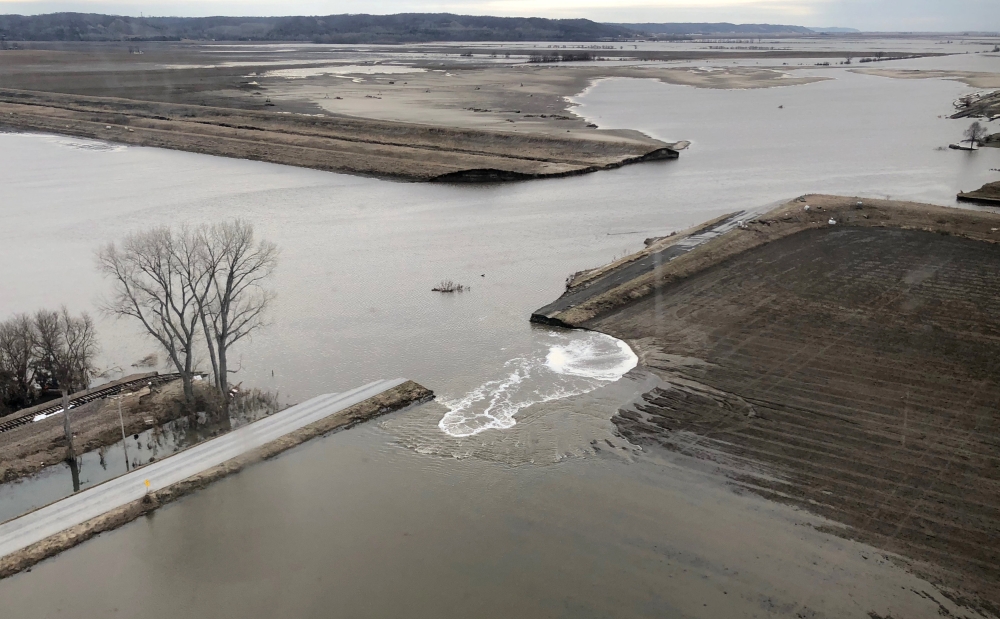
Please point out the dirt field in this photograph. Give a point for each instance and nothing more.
(30, 448)
(849, 369)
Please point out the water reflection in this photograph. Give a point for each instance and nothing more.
(97, 466)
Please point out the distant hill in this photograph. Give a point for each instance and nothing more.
(836, 30)
(402, 28)
(721, 28)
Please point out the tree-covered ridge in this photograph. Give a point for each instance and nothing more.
(406, 27)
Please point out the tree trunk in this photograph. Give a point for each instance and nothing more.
(211, 349)
(74, 471)
(186, 379)
(70, 452)
(223, 381)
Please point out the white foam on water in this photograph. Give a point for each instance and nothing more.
(588, 358)
(574, 364)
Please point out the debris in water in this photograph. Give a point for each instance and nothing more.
(450, 286)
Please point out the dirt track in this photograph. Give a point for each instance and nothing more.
(850, 370)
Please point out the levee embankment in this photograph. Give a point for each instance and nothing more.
(988, 194)
(57, 527)
(405, 151)
(842, 358)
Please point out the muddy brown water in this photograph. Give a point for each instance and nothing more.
(530, 518)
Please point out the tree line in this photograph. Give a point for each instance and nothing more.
(191, 289)
(354, 28)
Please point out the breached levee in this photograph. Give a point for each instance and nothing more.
(850, 347)
(52, 529)
(405, 151)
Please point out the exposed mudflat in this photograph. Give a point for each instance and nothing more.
(850, 370)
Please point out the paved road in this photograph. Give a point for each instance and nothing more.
(79, 508)
(634, 269)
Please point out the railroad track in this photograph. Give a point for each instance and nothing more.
(97, 394)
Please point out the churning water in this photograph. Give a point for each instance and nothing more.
(571, 365)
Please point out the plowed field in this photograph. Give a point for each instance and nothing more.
(849, 370)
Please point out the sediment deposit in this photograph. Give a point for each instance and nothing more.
(355, 146)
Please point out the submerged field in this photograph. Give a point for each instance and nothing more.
(849, 368)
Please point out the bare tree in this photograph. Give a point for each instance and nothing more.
(237, 303)
(17, 354)
(975, 133)
(159, 280)
(65, 350)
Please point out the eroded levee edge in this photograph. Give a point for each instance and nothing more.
(394, 399)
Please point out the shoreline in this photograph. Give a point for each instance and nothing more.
(407, 394)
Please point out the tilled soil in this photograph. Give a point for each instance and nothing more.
(850, 370)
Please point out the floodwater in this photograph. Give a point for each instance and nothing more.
(510, 494)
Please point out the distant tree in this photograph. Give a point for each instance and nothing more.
(975, 133)
(159, 279)
(237, 265)
(65, 347)
(17, 367)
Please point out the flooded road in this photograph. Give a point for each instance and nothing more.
(511, 494)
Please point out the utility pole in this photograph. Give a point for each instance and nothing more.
(122, 421)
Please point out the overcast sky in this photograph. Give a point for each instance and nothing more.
(871, 15)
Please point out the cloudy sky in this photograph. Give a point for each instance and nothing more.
(872, 15)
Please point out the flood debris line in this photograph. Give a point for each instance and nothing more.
(52, 529)
(856, 363)
(334, 143)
